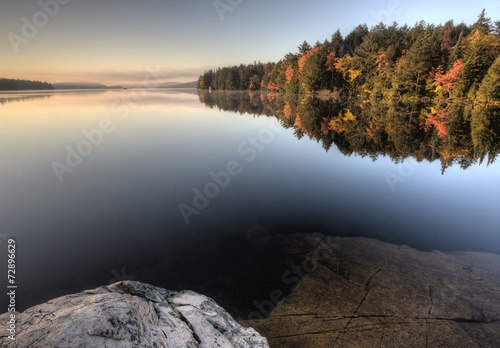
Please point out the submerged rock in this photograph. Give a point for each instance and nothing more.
(359, 292)
(129, 314)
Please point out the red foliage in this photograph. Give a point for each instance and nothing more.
(448, 80)
(440, 121)
(330, 61)
(272, 86)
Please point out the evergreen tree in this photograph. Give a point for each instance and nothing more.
(490, 87)
(456, 53)
(304, 47)
(483, 24)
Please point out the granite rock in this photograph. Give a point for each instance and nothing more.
(129, 314)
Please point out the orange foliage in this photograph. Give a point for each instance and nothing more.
(288, 111)
(299, 125)
(303, 59)
(439, 120)
(272, 86)
(369, 133)
(271, 96)
(289, 73)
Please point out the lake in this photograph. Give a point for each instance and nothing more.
(173, 187)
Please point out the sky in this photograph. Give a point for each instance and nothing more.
(128, 41)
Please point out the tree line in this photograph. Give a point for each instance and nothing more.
(17, 85)
(450, 61)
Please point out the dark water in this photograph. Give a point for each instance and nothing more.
(113, 212)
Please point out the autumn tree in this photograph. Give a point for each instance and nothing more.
(424, 60)
(447, 81)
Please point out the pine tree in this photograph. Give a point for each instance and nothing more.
(304, 48)
(483, 24)
(490, 87)
(456, 53)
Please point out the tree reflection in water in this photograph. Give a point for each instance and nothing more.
(453, 133)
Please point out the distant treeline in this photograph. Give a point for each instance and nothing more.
(439, 62)
(16, 85)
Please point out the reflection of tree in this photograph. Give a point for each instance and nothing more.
(454, 134)
(485, 127)
(11, 98)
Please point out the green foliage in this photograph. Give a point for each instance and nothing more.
(490, 87)
(407, 63)
(452, 133)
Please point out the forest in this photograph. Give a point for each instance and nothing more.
(425, 61)
(18, 85)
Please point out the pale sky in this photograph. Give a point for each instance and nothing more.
(120, 41)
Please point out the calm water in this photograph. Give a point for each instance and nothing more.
(113, 213)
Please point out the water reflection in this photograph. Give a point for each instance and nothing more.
(454, 134)
(119, 209)
(6, 98)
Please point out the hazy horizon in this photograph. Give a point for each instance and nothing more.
(125, 42)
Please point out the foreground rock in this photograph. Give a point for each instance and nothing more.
(129, 314)
(358, 292)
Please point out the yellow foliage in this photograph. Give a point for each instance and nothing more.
(345, 66)
(353, 74)
(338, 124)
(349, 116)
(438, 89)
